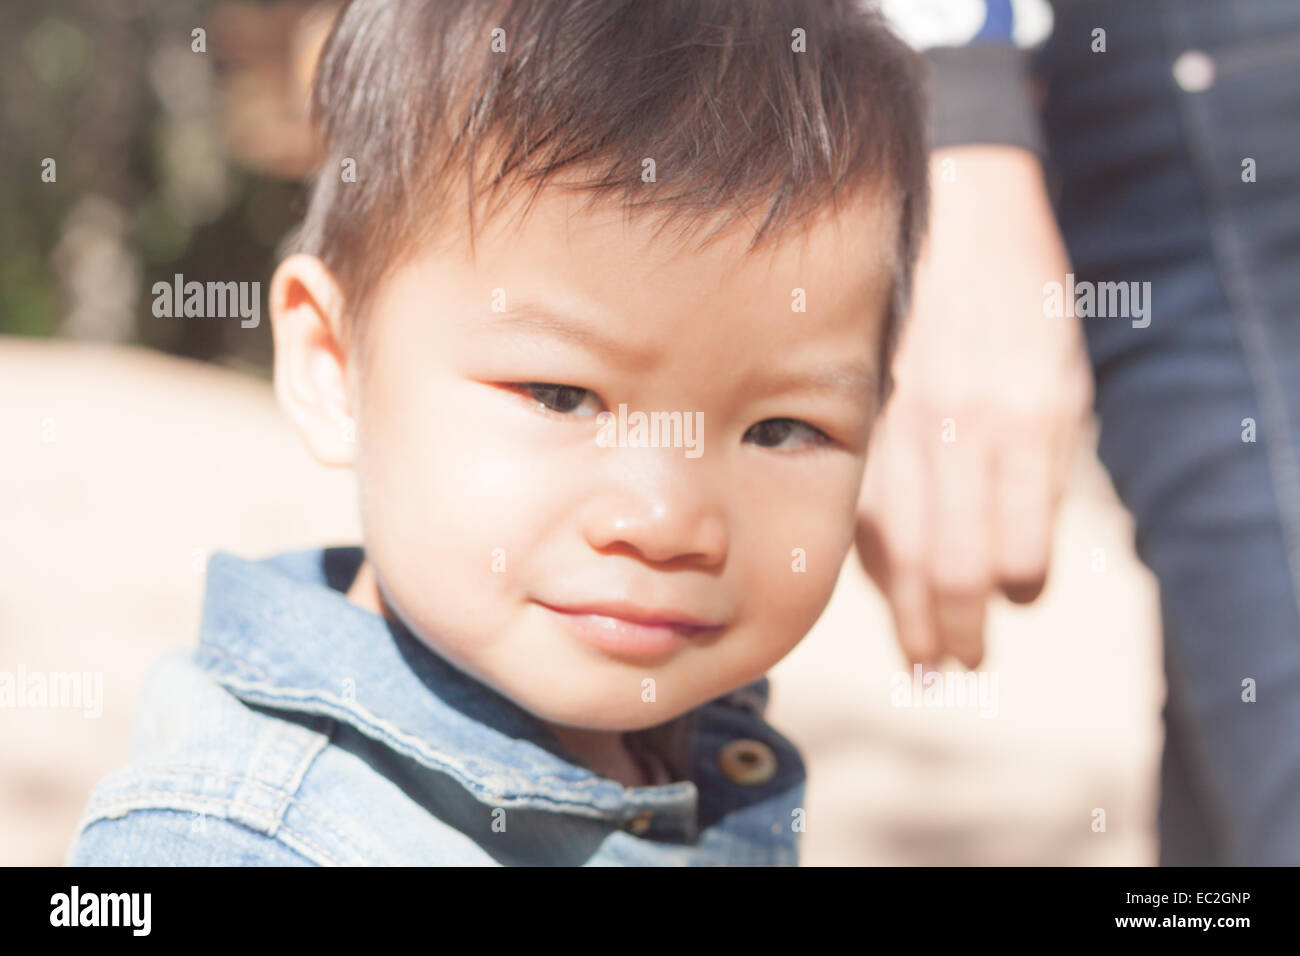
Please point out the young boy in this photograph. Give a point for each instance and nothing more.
(598, 298)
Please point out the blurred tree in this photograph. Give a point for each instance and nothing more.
(166, 159)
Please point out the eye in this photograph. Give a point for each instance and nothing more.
(786, 433)
(560, 399)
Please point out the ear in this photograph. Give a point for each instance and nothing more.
(311, 362)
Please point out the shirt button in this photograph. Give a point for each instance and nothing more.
(640, 823)
(1194, 71)
(747, 762)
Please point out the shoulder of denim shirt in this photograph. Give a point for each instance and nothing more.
(304, 727)
(151, 836)
(211, 782)
(978, 52)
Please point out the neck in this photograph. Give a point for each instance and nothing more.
(602, 751)
(365, 590)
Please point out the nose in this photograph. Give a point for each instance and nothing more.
(666, 524)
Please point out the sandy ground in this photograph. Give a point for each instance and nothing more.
(122, 469)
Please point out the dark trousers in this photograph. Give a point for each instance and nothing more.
(1147, 147)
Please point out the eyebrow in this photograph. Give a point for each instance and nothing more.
(529, 317)
(854, 378)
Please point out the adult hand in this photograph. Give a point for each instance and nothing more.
(971, 453)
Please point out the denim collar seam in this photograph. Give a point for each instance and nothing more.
(557, 791)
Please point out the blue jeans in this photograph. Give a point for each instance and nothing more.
(1149, 171)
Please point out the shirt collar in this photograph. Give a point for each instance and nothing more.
(282, 633)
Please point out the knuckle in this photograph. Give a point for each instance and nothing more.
(1025, 414)
(905, 553)
(960, 585)
(907, 564)
(950, 399)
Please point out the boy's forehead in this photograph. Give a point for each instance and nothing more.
(586, 276)
(846, 248)
(804, 312)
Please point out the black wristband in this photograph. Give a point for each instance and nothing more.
(980, 94)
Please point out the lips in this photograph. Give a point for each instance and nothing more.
(626, 629)
(634, 614)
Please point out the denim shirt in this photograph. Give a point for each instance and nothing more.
(305, 729)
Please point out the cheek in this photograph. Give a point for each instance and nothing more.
(447, 455)
(792, 558)
(449, 506)
(797, 534)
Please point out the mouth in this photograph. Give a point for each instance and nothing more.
(628, 630)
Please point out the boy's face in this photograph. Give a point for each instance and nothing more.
(567, 565)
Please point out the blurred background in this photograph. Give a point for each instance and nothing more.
(174, 152)
(134, 446)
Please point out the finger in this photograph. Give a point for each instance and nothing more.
(959, 623)
(905, 589)
(870, 543)
(960, 545)
(909, 602)
(1025, 505)
(904, 524)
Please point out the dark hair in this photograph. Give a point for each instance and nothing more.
(737, 120)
